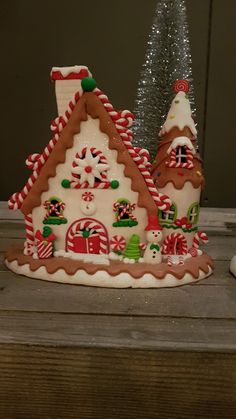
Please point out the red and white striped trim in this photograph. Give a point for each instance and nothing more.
(36, 161)
(97, 185)
(44, 252)
(199, 236)
(93, 225)
(122, 120)
(172, 238)
(187, 165)
(29, 243)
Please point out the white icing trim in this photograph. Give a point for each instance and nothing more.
(179, 115)
(85, 257)
(181, 141)
(65, 71)
(103, 279)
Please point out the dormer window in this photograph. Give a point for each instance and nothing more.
(181, 153)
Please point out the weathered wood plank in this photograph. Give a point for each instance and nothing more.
(201, 301)
(157, 333)
(88, 383)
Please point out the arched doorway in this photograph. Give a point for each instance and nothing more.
(175, 244)
(87, 235)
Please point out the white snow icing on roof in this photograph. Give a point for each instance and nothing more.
(65, 71)
(179, 115)
(181, 141)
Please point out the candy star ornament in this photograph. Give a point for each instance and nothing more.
(89, 168)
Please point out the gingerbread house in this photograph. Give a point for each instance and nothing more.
(177, 172)
(91, 205)
(90, 187)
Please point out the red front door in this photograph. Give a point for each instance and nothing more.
(87, 244)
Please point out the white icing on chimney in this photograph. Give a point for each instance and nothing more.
(179, 115)
(67, 83)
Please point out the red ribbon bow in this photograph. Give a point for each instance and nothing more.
(48, 239)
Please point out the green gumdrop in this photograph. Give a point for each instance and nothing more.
(114, 184)
(88, 84)
(65, 183)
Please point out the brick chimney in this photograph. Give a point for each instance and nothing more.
(67, 83)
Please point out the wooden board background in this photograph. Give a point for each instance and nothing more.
(111, 39)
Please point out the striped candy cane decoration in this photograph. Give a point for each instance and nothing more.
(199, 236)
(123, 120)
(175, 260)
(187, 165)
(169, 245)
(93, 226)
(29, 243)
(36, 161)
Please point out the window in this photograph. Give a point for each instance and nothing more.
(181, 154)
(89, 168)
(193, 213)
(124, 213)
(168, 216)
(54, 211)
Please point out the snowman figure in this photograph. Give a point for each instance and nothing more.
(87, 205)
(154, 237)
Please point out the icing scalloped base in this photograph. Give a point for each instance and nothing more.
(103, 279)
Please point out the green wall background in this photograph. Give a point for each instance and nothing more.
(110, 38)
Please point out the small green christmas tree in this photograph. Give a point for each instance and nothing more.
(132, 249)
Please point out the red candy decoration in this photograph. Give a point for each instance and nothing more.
(87, 196)
(181, 86)
(117, 243)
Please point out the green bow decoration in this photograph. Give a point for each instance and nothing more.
(154, 246)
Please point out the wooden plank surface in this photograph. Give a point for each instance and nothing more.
(79, 352)
(100, 383)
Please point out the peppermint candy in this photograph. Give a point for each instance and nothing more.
(87, 196)
(117, 243)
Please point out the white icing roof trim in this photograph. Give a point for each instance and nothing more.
(180, 142)
(65, 71)
(179, 115)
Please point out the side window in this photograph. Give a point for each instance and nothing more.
(181, 155)
(168, 216)
(54, 211)
(124, 216)
(193, 213)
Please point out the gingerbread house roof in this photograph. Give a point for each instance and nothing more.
(116, 126)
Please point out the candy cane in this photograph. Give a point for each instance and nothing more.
(36, 161)
(54, 208)
(199, 235)
(29, 243)
(162, 201)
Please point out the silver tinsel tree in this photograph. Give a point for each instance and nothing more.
(167, 59)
